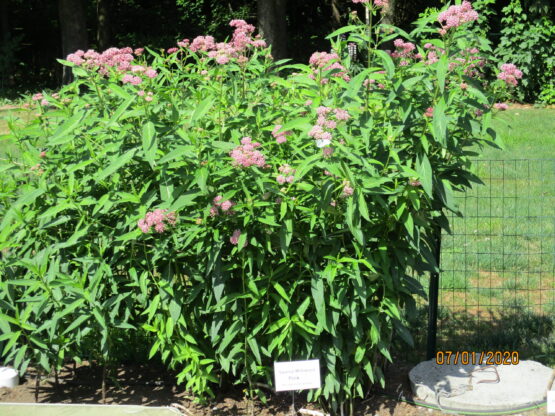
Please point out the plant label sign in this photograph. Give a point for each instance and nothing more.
(297, 375)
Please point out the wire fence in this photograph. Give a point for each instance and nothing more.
(497, 283)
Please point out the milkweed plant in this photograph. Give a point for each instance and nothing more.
(239, 211)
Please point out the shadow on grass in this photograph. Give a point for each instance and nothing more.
(530, 334)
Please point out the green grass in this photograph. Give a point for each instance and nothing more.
(21, 115)
(498, 265)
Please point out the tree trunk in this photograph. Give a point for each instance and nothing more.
(73, 27)
(336, 14)
(273, 26)
(389, 13)
(103, 34)
(5, 29)
(389, 18)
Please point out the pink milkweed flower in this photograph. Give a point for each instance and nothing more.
(139, 51)
(381, 3)
(455, 16)
(281, 179)
(347, 189)
(157, 219)
(217, 200)
(327, 151)
(42, 154)
(510, 73)
(234, 239)
(501, 106)
(37, 97)
(151, 73)
(246, 156)
(341, 114)
(429, 112)
(226, 205)
(172, 50)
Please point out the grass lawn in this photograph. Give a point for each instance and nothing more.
(497, 287)
(6, 113)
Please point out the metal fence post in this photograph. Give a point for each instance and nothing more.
(433, 299)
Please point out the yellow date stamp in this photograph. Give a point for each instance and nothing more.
(477, 358)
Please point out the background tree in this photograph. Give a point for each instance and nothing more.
(272, 25)
(73, 25)
(104, 29)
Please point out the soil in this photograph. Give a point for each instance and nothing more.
(140, 385)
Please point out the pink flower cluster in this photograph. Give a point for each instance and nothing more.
(324, 123)
(281, 137)
(119, 59)
(246, 156)
(225, 206)
(471, 62)
(455, 16)
(501, 106)
(347, 189)
(285, 170)
(223, 52)
(327, 62)
(404, 51)
(234, 239)
(433, 53)
(429, 112)
(157, 219)
(510, 73)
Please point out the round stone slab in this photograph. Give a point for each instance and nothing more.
(475, 388)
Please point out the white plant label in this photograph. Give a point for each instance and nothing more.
(297, 375)
(551, 401)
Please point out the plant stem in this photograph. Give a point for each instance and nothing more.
(245, 327)
(37, 382)
(104, 383)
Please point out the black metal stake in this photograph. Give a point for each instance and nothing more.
(433, 299)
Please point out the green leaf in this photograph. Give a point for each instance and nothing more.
(29, 197)
(441, 71)
(150, 146)
(74, 324)
(424, 170)
(201, 177)
(255, 350)
(229, 335)
(439, 123)
(115, 165)
(342, 30)
(188, 151)
(62, 133)
(120, 110)
(279, 288)
(201, 109)
(387, 61)
(175, 310)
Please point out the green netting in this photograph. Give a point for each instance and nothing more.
(26, 409)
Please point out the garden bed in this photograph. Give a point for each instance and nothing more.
(141, 386)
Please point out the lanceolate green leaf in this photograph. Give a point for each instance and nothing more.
(116, 164)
